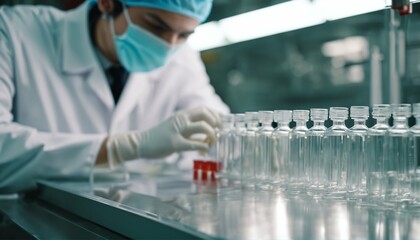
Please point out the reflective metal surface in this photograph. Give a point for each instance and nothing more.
(230, 212)
(27, 218)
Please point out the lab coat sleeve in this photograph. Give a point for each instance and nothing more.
(26, 154)
(197, 90)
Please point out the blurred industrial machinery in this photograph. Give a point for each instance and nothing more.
(359, 60)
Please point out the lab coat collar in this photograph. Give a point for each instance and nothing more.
(77, 52)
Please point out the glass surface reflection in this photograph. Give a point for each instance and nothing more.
(230, 212)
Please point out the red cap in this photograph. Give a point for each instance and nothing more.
(213, 169)
(198, 164)
(213, 166)
(206, 166)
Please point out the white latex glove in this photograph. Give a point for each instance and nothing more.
(171, 136)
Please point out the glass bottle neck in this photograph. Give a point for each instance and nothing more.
(283, 124)
(300, 123)
(416, 127)
(252, 124)
(382, 124)
(338, 123)
(359, 121)
(381, 121)
(240, 124)
(400, 122)
(318, 123)
(265, 124)
(227, 125)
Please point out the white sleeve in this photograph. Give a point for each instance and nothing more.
(26, 154)
(197, 90)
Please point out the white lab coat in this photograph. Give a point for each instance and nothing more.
(55, 103)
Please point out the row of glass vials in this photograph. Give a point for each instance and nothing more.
(378, 163)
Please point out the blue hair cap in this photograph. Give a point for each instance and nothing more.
(197, 9)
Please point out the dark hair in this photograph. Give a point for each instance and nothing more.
(118, 8)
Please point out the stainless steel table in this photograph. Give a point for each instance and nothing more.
(27, 218)
(173, 206)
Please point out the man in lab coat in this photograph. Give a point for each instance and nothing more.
(106, 83)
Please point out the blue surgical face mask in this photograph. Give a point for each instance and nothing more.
(139, 50)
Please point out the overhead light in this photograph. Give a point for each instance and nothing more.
(347, 46)
(208, 36)
(279, 18)
(268, 21)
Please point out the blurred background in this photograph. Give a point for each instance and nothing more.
(344, 58)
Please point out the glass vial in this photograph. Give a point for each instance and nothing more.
(415, 143)
(237, 133)
(224, 144)
(298, 152)
(316, 157)
(397, 164)
(336, 150)
(249, 146)
(281, 147)
(377, 150)
(356, 171)
(263, 159)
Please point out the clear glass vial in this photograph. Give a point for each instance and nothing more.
(249, 146)
(377, 150)
(337, 153)
(316, 158)
(263, 159)
(415, 143)
(238, 131)
(224, 144)
(356, 171)
(298, 152)
(397, 165)
(281, 147)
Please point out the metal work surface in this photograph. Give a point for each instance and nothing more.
(216, 210)
(27, 218)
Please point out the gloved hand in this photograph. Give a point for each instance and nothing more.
(172, 135)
